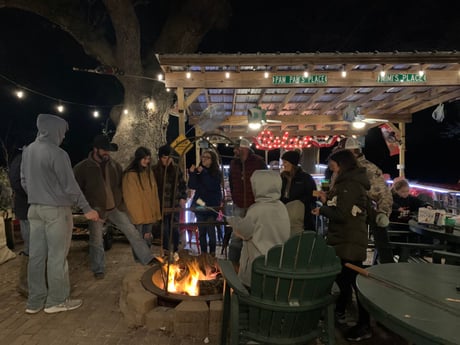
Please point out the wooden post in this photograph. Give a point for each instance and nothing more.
(402, 149)
(181, 109)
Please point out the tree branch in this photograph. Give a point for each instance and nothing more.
(64, 13)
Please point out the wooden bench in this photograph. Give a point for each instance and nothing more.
(413, 252)
(290, 292)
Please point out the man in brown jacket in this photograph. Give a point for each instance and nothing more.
(100, 178)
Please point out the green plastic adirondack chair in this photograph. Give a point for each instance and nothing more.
(290, 292)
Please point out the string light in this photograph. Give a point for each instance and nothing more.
(305, 72)
(344, 72)
(20, 93)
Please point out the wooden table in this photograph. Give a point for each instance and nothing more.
(413, 300)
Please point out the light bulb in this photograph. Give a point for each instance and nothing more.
(266, 75)
(227, 75)
(20, 94)
(188, 75)
(96, 114)
(60, 108)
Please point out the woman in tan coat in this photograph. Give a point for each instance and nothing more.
(140, 193)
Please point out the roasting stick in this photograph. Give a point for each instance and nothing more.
(200, 202)
(407, 290)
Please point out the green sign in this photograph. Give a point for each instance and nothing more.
(298, 79)
(402, 78)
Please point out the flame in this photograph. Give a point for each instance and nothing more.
(185, 279)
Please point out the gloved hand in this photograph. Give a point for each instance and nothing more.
(382, 220)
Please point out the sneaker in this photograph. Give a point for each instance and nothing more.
(358, 333)
(99, 275)
(69, 304)
(33, 311)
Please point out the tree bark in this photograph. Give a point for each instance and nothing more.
(188, 22)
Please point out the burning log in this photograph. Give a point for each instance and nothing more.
(187, 273)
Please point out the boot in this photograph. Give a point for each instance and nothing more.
(23, 288)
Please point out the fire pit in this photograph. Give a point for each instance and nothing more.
(191, 278)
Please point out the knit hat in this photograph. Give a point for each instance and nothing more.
(164, 150)
(244, 143)
(292, 157)
(352, 143)
(103, 142)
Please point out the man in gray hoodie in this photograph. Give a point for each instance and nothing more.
(48, 179)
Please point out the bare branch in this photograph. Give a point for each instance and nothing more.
(65, 13)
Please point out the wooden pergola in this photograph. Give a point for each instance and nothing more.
(307, 93)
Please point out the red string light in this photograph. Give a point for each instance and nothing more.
(266, 141)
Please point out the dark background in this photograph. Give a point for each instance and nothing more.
(38, 55)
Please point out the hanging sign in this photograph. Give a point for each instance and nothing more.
(181, 145)
(266, 141)
(299, 79)
(402, 78)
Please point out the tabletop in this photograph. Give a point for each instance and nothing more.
(420, 302)
(434, 232)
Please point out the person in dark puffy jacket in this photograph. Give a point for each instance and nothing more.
(346, 208)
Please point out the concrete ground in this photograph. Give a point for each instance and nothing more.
(99, 321)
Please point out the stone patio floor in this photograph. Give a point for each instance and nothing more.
(99, 321)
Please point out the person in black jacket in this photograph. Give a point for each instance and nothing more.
(404, 204)
(298, 185)
(21, 207)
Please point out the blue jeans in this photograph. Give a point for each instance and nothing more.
(24, 226)
(96, 242)
(145, 229)
(50, 238)
(207, 232)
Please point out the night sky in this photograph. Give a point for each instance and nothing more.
(38, 55)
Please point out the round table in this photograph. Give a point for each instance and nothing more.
(412, 300)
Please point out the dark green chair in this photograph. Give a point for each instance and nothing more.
(290, 299)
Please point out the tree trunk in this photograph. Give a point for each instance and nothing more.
(139, 125)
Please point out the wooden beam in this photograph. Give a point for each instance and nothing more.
(191, 98)
(300, 59)
(255, 80)
(294, 120)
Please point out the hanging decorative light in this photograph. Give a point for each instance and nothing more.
(266, 141)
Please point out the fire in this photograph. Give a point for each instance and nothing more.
(183, 278)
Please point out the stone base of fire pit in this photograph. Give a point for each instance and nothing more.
(198, 319)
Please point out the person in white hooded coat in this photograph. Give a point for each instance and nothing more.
(266, 223)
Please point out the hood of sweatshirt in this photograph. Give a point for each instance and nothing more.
(266, 185)
(51, 128)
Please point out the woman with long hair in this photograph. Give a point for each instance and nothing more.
(206, 180)
(140, 193)
(345, 205)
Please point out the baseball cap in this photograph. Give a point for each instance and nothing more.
(103, 142)
(352, 143)
(244, 143)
